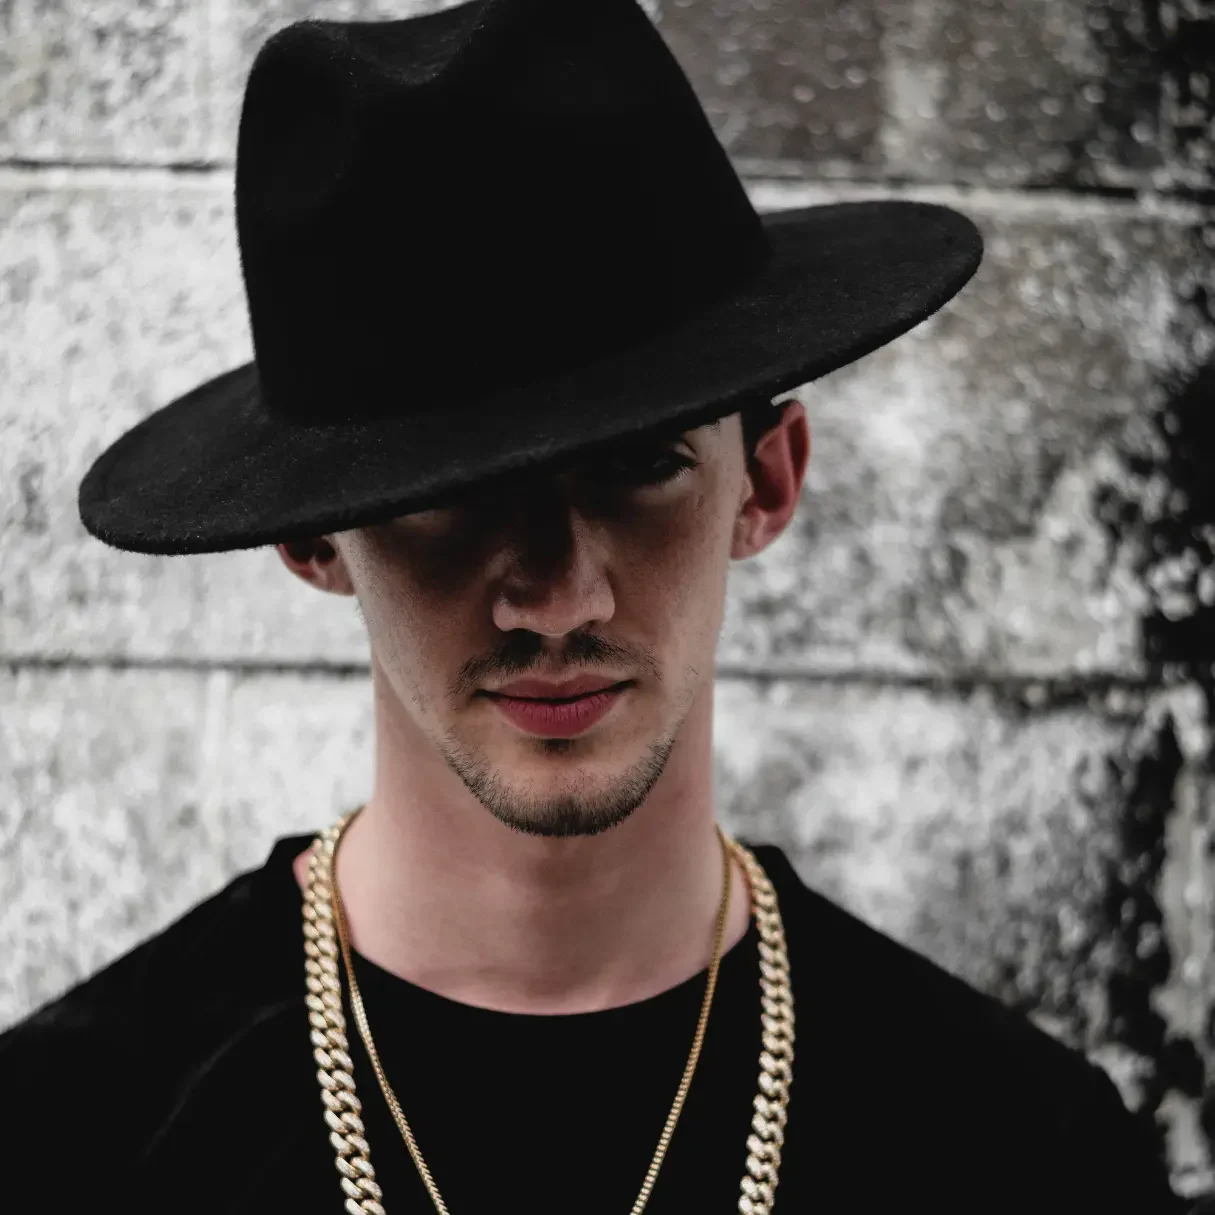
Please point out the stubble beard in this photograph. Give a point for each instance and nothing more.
(569, 814)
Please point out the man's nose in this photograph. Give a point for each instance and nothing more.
(555, 581)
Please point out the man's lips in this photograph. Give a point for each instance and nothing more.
(539, 689)
(553, 717)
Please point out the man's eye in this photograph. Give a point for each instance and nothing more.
(643, 468)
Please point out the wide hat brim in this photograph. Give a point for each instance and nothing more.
(212, 471)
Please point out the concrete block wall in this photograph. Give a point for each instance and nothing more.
(970, 690)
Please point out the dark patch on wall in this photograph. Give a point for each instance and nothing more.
(1129, 34)
(1166, 509)
(1133, 915)
(1155, 113)
(1191, 63)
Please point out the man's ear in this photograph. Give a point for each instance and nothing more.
(775, 479)
(317, 561)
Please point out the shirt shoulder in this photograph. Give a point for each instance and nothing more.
(876, 981)
(220, 936)
(99, 1066)
(946, 1062)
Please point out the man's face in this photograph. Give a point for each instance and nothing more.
(613, 567)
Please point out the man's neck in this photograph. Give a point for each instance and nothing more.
(451, 899)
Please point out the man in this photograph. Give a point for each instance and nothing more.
(516, 331)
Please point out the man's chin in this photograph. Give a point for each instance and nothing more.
(536, 797)
(582, 806)
(561, 821)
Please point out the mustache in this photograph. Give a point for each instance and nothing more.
(523, 652)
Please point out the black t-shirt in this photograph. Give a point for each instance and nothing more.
(181, 1078)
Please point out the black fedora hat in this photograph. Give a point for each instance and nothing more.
(483, 239)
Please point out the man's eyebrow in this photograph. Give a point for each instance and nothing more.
(680, 430)
(668, 432)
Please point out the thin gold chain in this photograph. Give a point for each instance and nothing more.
(682, 1092)
(323, 911)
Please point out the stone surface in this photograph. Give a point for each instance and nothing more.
(126, 797)
(950, 519)
(784, 80)
(958, 824)
(1054, 92)
(1002, 91)
(1060, 92)
(1044, 92)
(115, 296)
(1166, 508)
(111, 81)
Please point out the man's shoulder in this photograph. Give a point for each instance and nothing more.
(893, 1030)
(109, 1067)
(188, 969)
(875, 979)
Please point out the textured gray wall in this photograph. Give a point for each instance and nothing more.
(970, 690)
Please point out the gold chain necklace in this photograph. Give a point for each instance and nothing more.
(322, 911)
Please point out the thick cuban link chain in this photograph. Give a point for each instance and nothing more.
(776, 1058)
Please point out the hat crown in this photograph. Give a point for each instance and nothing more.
(471, 199)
